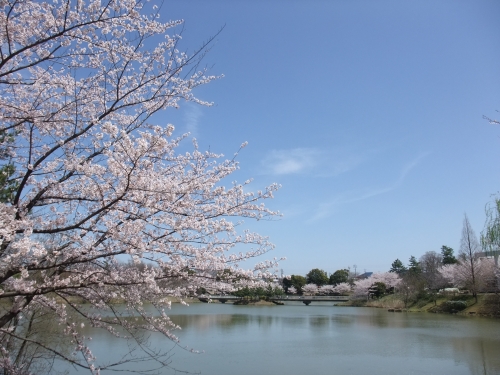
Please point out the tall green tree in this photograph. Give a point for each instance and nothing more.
(317, 276)
(398, 267)
(339, 276)
(447, 254)
(297, 282)
(414, 266)
(287, 283)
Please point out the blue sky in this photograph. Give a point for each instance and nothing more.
(368, 113)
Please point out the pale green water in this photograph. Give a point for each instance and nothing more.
(323, 339)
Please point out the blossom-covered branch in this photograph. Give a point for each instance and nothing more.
(95, 180)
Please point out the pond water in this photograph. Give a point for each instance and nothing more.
(320, 339)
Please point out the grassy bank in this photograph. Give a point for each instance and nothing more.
(487, 305)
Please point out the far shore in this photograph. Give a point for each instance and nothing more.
(488, 305)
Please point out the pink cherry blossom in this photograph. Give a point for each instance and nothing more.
(98, 185)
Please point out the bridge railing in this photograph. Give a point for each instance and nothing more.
(314, 298)
(284, 297)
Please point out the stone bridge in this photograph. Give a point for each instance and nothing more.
(306, 300)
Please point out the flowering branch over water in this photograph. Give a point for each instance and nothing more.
(95, 181)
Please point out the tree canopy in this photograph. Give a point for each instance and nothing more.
(447, 254)
(339, 276)
(398, 267)
(317, 276)
(89, 181)
(414, 266)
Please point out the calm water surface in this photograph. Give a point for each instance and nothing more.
(323, 339)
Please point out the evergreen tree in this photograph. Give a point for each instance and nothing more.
(414, 266)
(448, 257)
(398, 267)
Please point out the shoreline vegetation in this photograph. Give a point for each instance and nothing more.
(488, 305)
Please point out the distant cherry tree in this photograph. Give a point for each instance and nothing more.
(342, 288)
(390, 279)
(310, 289)
(449, 274)
(458, 275)
(362, 287)
(92, 182)
(326, 289)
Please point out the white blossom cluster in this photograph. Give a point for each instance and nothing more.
(361, 287)
(95, 181)
(460, 275)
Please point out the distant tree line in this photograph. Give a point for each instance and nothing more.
(317, 277)
(472, 270)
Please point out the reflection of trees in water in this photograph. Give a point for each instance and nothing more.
(383, 319)
(206, 322)
(480, 354)
(436, 338)
(318, 321)
(264, 321)
(292, 320)
(343, 320)
(30, 336)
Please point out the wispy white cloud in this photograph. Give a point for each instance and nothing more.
(293, 161)
(192, 117)
(320, 163)
(328, 208)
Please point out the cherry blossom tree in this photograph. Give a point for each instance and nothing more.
(310, 289)
(296, 281)
(95, 183)
(342, 288)
(459, 275)
(447, 271)
(326, 289)
(390, 279)
(362, 287)
(472, 271)
(292, 290)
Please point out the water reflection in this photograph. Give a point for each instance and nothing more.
(481, 355)
(206, 322)
(320, 339)
(319, 321)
